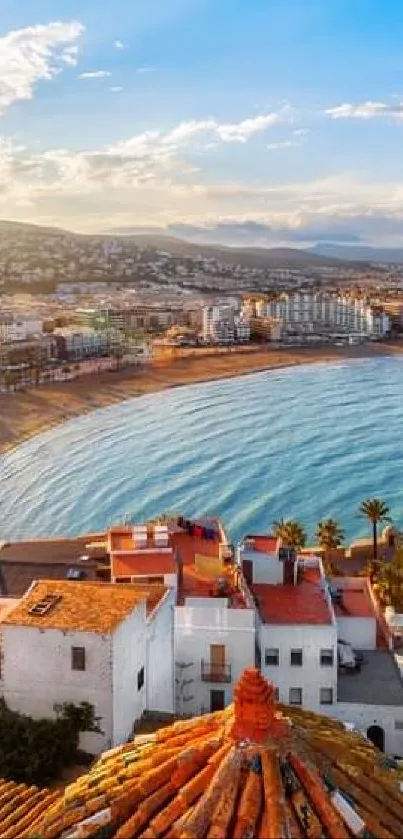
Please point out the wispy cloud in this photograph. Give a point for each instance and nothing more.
(119, 45)
(283, 144)
(95, 74)
(145, 69)
(116, 89)
(298, 138)
(36, 53)
(366, 110)
(227, 132)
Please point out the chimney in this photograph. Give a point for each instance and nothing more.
(179, 572)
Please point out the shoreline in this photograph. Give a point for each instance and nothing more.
(25, 415)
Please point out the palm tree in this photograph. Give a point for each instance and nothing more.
(376, 511)
(291, 531)
(329, 535)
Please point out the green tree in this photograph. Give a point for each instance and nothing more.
(330, 536)
(376, 511)
(34, 751)
(388, 582)
(291, 531)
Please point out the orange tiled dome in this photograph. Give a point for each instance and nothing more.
(253, 770)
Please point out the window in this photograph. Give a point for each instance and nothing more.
(326, 658)
(140, 679)
(271, 655)
(399, 725)
(326, 696)
(295, 696)
(78, 658)
(296, 658)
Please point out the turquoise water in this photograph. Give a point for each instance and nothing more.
(305, 442)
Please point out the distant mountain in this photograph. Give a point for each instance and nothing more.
(358, 253)
(157, 241)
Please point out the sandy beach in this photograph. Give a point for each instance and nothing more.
(23, 415)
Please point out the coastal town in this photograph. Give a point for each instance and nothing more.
(75, 306)
(160, 626)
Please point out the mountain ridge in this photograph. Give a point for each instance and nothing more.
(244, 256)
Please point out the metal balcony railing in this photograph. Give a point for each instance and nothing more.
(215, 672)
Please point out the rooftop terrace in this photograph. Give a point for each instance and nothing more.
(304, 603)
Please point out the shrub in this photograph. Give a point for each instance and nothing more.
(35, 751)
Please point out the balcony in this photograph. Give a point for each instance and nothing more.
(217, 673)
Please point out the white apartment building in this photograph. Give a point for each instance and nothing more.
(242, 329)
(109, 645)
(18, 329)
(218, 324)
(307, 311)
(84, 342)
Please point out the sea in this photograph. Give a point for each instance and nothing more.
(308, 442)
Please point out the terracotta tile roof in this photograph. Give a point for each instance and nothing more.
(83, 606)
(21, 807)
(142, 563)
(255, 770)
(288, 604)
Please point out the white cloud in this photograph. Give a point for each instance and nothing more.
(36, 53)
(119, 45)
(366, 110)
(145, 69)
(227, 132)
(240, 132)
(116, 89)
(283, 144)
(298, 138)
(95, 74)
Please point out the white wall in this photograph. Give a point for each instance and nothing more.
(363, 716)
(198, 624)
(359, 632)
(37, 673)
(311, 676)
(266, 567)
(160, 656)
(129, 651)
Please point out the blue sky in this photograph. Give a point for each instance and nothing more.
(274, 119)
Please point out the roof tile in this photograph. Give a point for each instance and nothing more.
(207, 777)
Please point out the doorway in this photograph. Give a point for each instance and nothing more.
(217, 661)
(217, 700)
(247, 569)
(377, 736)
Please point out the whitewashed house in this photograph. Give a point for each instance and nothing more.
(109, 645)
(214, 615)
(304, 621)
(296, 626)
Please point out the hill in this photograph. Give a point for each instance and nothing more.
(34, 236)
(358, 253)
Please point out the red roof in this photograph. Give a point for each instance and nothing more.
(356, 600)
(263, 544)
(142, 563)
(304, 603)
